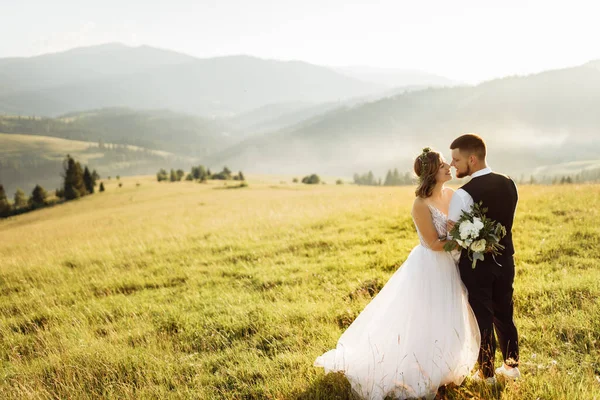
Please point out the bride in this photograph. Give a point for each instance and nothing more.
(419, 332)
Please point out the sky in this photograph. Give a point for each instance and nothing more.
(465, 40)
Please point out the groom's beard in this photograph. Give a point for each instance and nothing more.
(462, 175)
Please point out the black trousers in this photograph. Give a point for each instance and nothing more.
(491, 297)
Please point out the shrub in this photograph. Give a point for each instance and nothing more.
(311, 179)
(161, 175)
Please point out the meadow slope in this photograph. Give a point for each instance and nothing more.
(191, 290)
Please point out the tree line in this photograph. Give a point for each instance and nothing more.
(585, 176)
(78, 181)
(198, 173)
(392, 178)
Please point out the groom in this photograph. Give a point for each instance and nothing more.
(490, 285)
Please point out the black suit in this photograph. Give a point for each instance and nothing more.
(490, 286)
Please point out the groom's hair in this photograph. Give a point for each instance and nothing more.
(471, 144)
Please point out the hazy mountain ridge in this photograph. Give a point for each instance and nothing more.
(145, 77)
(285, 125)
(527, 121)
(81, 64)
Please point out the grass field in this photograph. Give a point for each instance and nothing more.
(198, 291)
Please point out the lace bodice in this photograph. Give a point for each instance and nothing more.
(439, 220)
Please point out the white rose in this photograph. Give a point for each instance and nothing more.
(476, 227)
(465, 229)
(461, 243)
(479, 246)
(472, 234)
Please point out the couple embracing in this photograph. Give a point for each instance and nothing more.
(436, 316)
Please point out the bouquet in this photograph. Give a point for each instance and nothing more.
(477, 234)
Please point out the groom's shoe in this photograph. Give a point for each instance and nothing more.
(508, 373)
(478, 377)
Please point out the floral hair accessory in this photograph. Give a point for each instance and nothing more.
(424, 161)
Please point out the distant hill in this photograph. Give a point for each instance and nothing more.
(527, 121)
(152, 129)
(27, 160)
(578, 170)
(147, 78)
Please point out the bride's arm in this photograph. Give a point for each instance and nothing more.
(423, 219)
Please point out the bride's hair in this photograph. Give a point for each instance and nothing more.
(427, 164)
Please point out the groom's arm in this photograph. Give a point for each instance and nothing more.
(461, 201)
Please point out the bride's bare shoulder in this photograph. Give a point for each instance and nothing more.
(419, 205)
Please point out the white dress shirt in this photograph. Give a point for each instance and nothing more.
(461, 200)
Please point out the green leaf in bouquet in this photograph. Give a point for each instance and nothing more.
(450, 245)
(476, 256)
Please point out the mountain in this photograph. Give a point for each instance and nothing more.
(82, 64)
(393, 78)
(527, 121)
(148, 78)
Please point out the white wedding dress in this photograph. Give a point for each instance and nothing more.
(417, 334)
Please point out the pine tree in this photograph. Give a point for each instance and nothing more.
(180, 174)
(389, 180)
(74, 187)
(38, 197)
(397, 181)
(102, 186)
(173, 177)
(79, 173)
(241, 176)
(4, 204)
(370, 179)
(20, 199)
(88, 181)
